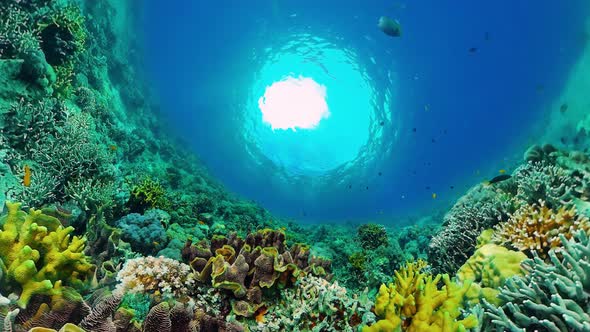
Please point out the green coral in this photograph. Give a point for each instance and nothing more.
(372, 236)
(148, 194)
(38, 254)
(358, 260)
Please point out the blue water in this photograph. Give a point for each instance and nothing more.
(441, 117)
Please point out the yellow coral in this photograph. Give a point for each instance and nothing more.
(38, 254)
(536, 228)
(415, 303)
(488, 268)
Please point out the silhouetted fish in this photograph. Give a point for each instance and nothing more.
(563, 108)
(389, 26)
(499, 178)
(473, 50)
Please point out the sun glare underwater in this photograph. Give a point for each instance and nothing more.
(321, 113)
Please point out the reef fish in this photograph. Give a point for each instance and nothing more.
(499, 178)
(27, 176)
(390, 26)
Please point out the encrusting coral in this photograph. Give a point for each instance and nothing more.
(489, 268)
(415, 303)
(38, 254)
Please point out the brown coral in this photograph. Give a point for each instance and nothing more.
(245, 267)
(536, 228)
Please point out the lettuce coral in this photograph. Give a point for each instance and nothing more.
(38, 254)
(246, 267)
(415, 303)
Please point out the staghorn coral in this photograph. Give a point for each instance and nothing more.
(415, 303)
(552, 296)
(316, 304)
(537, 228)
(544, 181)
(39, 254)
(245, 267)
(157, 276)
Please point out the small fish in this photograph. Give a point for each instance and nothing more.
(486, 36)
(563, 108)
(414, 129)
(433, 140)
(201, 222)
(156, 243)
(427, 107)
(433, 195)
(390, 27)
(367, 187)
(350, 186)
(380, 173)
(473, 50)
(502, 171)
(427, 187)
(27, 176)
(382, 123)
(113, 147)
(498, 178)
(452, 187)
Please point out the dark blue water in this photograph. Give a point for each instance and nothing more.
(470, 83)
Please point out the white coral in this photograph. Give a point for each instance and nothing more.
(155, 275)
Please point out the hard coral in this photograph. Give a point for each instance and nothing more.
(537, 228)
(481, 208)
(415, 303)
(551, 296)
(158, 276)
(148, 194)
(372, 236)
(39, 254)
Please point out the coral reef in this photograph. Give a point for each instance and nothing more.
(372, 236)
(38, 254)
(246, 267)
(414, 302)
(537, 228)
(316, 304)
(552, 296)
(159, 276)
(489, 268)
(481, 208)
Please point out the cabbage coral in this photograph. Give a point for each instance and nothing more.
(536, 228)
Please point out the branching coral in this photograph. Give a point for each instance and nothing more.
(155, 275)
(372, 236)
(39, 254)
(415, 303)
(316, 305)
(537, 228)
(551, 296)
(544, 181)
(481, 208)
(148, 194)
